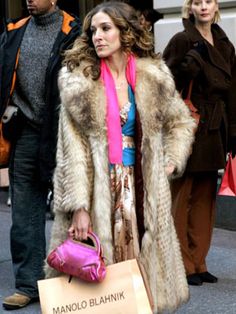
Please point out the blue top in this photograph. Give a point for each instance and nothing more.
(128, 129)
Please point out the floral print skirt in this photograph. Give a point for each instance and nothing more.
(125, 230)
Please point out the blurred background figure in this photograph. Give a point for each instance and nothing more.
(149, 17)
(202, 54)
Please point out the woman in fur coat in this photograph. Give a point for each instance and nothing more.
(124, 131)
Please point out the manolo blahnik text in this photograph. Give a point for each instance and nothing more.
(79, 306)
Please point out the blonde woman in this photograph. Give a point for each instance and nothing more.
(201, 53)
(124, 131)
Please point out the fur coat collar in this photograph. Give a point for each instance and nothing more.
(82, 173)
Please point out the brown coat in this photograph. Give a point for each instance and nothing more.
(189, 56)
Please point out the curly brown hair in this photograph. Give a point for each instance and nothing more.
(134, 39)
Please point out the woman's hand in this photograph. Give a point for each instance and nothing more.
(169, 169)
(81, 225)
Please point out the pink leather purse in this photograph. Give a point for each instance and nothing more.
(80, 259)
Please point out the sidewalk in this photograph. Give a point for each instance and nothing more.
(217, 298)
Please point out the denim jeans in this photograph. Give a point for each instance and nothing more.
(29, 201)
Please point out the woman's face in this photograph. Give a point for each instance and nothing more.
(204, 10)
(105, 35)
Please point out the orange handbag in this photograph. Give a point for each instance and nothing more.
(192, 108)
(5, 148)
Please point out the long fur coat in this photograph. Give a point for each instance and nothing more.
(82, 174)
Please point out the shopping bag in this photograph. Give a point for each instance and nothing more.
(122, 292)
(228, 183)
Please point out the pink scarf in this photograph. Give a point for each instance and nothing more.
(114, 132)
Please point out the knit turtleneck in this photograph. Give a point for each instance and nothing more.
(35, 51)
(46, 19)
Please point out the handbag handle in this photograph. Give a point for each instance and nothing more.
(190, 87)
(98, 243)
(190, 90)
(95, 240)
(188, 102)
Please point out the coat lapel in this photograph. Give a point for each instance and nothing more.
(86, 100)
(215, 53)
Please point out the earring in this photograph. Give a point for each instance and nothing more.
(52, 3)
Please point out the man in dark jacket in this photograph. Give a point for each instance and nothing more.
(32, 57)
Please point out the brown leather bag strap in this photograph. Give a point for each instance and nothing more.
(190, 90)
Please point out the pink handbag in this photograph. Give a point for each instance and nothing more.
(80, 259)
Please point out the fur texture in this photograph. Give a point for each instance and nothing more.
(82, 172)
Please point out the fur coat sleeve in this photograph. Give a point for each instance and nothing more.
(164, 113)
(73, 172)
(177, 133)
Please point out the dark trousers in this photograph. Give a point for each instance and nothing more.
(193, 209)
(28, 198)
